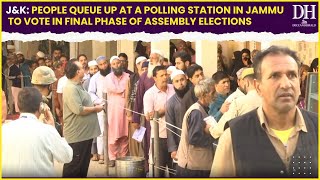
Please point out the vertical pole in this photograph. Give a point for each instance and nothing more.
(49, 47)
(156, 145)
(105, 136)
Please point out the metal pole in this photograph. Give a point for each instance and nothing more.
(156, 145)
(105, 136)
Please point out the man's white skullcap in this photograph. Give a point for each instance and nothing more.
(140, 58)
(171, 68)
(114, 58)
(19, 52)
(176, 73)
(92, 63)
(158, 52)
(40, 54)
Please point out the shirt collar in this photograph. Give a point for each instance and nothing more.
(159, 91)
(300, 122)
(73, 82)
(28, 116)
(252, 92)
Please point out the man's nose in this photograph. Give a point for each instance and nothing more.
(285, 82)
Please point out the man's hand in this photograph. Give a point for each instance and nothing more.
(129, 118)
(59, 112)
(206, 129)
(149, 115)
(136, 125)
(225, 107)
(161, 112)
(174, 155)
(48, 117)
(99, 108)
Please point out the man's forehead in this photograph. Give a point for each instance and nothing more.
(178, 77)
(278, 62)
(278, 59)
(162, 71)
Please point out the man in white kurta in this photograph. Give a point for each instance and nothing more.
(115, 86)
(96, 93)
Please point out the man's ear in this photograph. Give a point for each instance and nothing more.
(187, 63)
(257, 86)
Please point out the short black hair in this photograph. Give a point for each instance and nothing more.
(272, 50)
(39, 59)
(123, 55)
(71, 69)
(64, 57)
(218, 76)
(31, 62)
(82, 55)
(245, 51)
(57, 49)
(156, 69)
(29, 99)
(166, 60)
(193, 69)
(314, 64)
(184, 56)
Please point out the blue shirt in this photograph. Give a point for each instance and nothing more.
(214, 107)
(24, 67)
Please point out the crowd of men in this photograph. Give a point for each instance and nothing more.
(244, 121)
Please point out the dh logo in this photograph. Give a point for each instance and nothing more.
(304, 11)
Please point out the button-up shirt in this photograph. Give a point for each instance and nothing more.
(29, 147)
(153, 100)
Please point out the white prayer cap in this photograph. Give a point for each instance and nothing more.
(176, 73)
(92, 63)
(140, 58)
(100, 58)
(157, 52)
(114, 58)
(19, 52)
(40, 54)
(171, 68)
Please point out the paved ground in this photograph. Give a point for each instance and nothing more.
(95, 170)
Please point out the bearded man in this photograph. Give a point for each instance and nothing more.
(115, 85)
(96, 93)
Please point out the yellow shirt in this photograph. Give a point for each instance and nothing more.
(283, 135)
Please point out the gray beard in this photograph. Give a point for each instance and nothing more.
(150, 69)
(118, 71)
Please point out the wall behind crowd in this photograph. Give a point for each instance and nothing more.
(307, 51)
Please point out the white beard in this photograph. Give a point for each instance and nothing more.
(150, 70)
